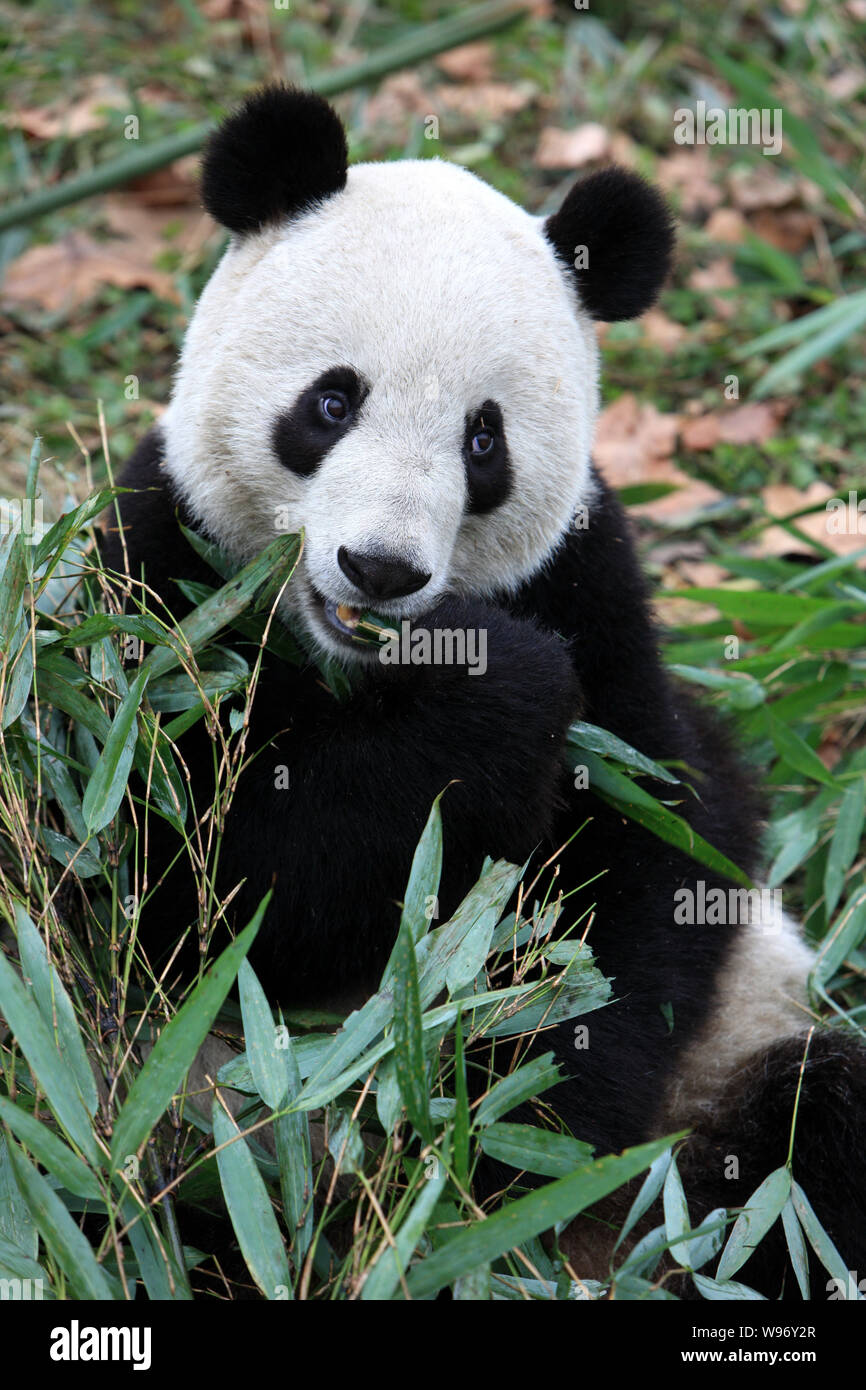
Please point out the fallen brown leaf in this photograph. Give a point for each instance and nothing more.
(761, 187)
(831, 746)
(753, 423)
(99, 94)
(472, 62)
(684, 562)
(718, 275)
(791, 230)
(630, 434)
(623, 150)
(701, 574)
(689, 174)
(661, 331)
(148, 230)
(177, 185)
(486, 100)
(399, 96)
(634, 444)
(569, 149)
(845, 84)
(66, 273)
(726, 224)
(781, 499)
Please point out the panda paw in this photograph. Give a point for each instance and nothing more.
(470, 650)
(496, 718)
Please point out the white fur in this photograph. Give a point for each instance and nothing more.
(761, 998)
(441, 293)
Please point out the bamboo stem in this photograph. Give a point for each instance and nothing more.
(477, 22)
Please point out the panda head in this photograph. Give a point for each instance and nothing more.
(397, 359)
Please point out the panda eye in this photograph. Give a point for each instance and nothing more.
(334, 407)
(486, 461)
(482, 442)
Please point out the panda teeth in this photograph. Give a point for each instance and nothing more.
(342, 616)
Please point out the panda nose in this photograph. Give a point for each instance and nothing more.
(380, 576)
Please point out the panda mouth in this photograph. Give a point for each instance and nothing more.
(350, 625)
(342, 617)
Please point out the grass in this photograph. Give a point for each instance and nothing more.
(364, 1190)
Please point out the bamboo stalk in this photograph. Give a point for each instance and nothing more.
(477, 22)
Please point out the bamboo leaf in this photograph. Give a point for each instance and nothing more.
(529, 1080)
(535, 1150)
(409, 1062)
(758, 1215)
(461, 1112)
(57, 538)
(818, 1237)
(519, 1221)
(17, 676)
(384, 1275)
(650, 1189)
(55, 1007)
(197, 630)
(590, 736)
(162, 1075)
(620, 791)
(797, 754)
(729, 1291)
(69, 1246)
(677, 1220)
(16, 1223)
(50, 1150)
(249, 1208)
(107, 785)
(158, 1268)
(815, 348)
(843, 937)
(45, 1060)
(423, 885)
(294, 1157)
(261, 1037)
(796, 1246)
(845, 843)
(703, 1248)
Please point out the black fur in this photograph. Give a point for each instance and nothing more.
(303, 435)
(282, 151)
(338, 845)
(753, 1125)
(627, 232)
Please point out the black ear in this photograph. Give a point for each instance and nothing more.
(281, 151)
(616, 233)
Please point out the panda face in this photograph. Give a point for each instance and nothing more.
(403, 371)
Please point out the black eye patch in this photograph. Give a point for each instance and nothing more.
(485, 454)
(319, 418)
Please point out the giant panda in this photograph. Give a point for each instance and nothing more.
(404, 363)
